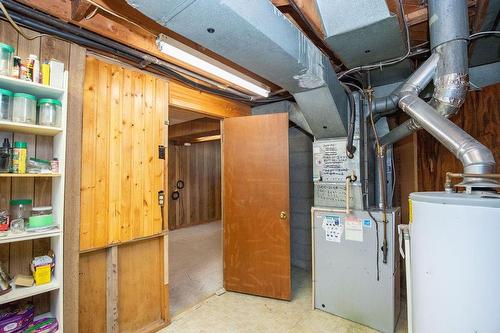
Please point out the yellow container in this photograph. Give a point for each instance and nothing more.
(19, 157)
(46, 74)
(42, 275)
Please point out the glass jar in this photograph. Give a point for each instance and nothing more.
(41, 217)
(6, 104)
(49, 111)
(17, 226)
(20, 209)
(6, 53)
(24, 108)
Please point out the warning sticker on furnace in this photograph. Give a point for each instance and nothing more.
(333, 227)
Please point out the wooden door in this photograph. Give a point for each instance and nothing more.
(256, 207)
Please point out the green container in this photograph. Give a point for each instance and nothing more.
(40, 221)
(40, 217)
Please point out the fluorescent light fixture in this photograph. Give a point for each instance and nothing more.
(205, 66)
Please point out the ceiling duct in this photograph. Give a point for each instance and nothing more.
(257, 36)
(362, 31)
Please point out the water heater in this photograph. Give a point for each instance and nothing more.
(455, 265)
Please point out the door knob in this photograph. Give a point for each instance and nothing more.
(283, 215)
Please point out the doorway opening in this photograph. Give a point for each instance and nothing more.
(195, 209)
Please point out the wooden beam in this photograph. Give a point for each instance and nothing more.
(79, 9)
(194, 129)
(422, 15)
(112, 290)
(72, 188)
(189, 99)
(304, 14)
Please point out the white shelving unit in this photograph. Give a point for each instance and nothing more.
(55, 287)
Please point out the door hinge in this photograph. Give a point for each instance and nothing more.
(161, 152)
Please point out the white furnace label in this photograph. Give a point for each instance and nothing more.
(333, 227)
(353, 229)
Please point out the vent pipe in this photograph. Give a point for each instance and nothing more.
(448, 65)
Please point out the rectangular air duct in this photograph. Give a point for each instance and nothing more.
(257, 36)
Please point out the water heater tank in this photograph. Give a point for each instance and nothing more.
(455, 264)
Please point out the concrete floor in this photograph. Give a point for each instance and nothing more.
(195, 265)
(239, 313)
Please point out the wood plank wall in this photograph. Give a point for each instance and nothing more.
(123, 120)
(16, 257)
(199, 166)
(480, 118)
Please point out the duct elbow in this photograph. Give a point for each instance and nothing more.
(476, 158)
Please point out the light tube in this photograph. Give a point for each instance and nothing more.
(205, 66)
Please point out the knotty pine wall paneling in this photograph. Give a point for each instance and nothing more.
(123, 120)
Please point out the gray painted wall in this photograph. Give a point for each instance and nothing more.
(301, 197)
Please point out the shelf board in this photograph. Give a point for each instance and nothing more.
(18, 293)
(36, 89)
(11, 238)
(9, 126)
(29, 175)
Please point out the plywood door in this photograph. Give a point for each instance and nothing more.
(123, 120)
(255, 194)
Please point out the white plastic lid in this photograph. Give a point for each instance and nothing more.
(41, 209)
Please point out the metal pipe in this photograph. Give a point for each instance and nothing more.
(475, 157)
(448, 24)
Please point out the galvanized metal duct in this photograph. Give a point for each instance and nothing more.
(362, 31)
(255, 35)
(449, 60)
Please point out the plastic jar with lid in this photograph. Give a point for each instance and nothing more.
(24, 108)
(49, 111)
(6, 59)
(20, 209)
(6, 104)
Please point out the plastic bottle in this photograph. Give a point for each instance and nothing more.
(19, 157)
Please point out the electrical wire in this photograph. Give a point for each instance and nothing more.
(16, 27)
(390, 61)
(350, 148)
(483, 34)
(378, 244)
(55, 28)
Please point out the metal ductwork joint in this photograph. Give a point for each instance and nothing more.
(258, 37)
(448, 21)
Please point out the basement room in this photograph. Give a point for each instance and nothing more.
(265, 166)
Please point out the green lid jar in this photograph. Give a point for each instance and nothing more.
(33, 98)
(17, 202)
(6, 48)
(20, 144)
(6, 92)
(24, 109)
(6, 104)
(49, 111)
(6, 59)
(49, 101)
